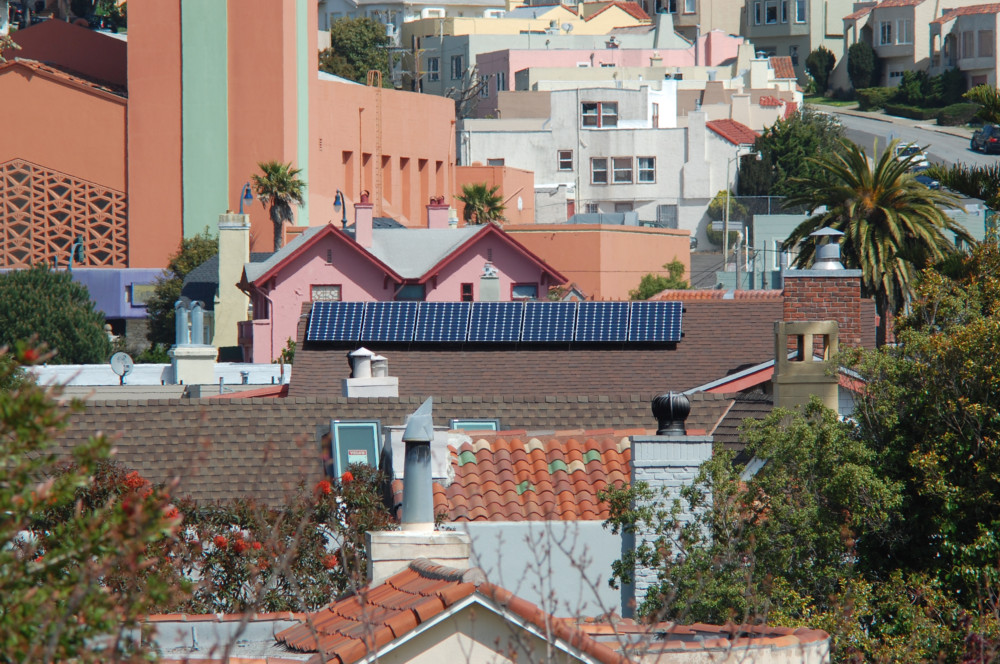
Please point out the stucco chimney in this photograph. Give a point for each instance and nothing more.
(230, 302)
(363, 221)
(796, 380)
(437, 213)
(369, 376)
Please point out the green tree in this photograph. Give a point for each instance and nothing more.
(193, 252)
(652, 283)
(738, 214)
(982, 182)
(49, 306)
(75, 572)
(862, 65)
(819, 64)
(357, 45)
(481, 203)
(785, 149)
(279, 186)
(988, 97)
(892, 224)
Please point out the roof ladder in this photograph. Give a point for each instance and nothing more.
(375, 81)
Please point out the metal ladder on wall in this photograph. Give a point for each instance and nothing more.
(375, 81)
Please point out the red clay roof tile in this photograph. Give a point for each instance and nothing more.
(735, 132)
(951, 14)
(782, 66)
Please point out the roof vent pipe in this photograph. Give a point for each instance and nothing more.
(361, 362)
(671, 410)
(827, 256)
(380, 366)
(418, 492)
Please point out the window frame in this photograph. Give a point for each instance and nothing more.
(339, 290)
(904, 26)
(758, 13)
(501, 77)
(690, 6)
(650, 169)
(434, 68)
(524, 284)
(784, 11)
(980, 42)
(623, 166)
(594, 161)
(466, 292)
(768, 6)
(484, 87)
(598, 114)
(337, 450)
(885, 33)
(564, 160)
(800, 11)
(457, 67)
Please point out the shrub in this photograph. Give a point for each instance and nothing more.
(957, 114)
(914, 89)
(862, 65)
(819, 64)
(912, 112)
(873, 99)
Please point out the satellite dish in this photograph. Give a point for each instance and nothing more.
(122, 364)
(567, 27)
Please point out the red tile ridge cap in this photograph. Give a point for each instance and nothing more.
(438, 572)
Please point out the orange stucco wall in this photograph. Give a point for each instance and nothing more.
(263, 99)
(91, 147)
(514, 183)
(606, 262)
(80, 49)
(418, 150)
(154, 133)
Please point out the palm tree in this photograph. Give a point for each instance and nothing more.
(279, 187)
(481, 204)
(893, 225)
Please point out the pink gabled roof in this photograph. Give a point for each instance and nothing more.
(631, 8)
(951, 14)
(735, 132)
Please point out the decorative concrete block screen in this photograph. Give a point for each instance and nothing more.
(43, 211)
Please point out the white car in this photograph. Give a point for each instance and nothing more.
(914, 153)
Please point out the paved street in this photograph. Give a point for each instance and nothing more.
(945, 144)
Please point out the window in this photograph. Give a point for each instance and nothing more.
(565, 160)
(592, 208)
(690, 6)
(325, 293)
(985, 43)
(647, 169)
(885, 32)
(524, 292)
(800, 11)
(756, 13)
(967, 44)
(784, 11)
(666, 216)
(484, 87)
(354, 441)
(600, 114)
(624, 207)
(466, 293)
(656, 116)
(433, 69)
(475, 425)
(771, 12)
(622, 169)
(497, 161)
(412, 292)
(501, 81)
(793, 53)
(599, 170)
(904, 31)
(457, 67)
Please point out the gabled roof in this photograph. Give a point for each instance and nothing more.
(633, 9)
(202, 283)
(861, 13)
(372, 620)
(260, 272)
(63, 75)
(414, 251)
(735, 132)
(769, 101)
(952, 14)
(782, 66)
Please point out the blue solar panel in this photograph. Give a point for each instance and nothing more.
(442, 321)
(602, 321)
(655, 321)
(335, 321)
(548, 321)
(389, 321)
(496, 321)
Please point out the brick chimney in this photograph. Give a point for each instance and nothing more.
(364, 218)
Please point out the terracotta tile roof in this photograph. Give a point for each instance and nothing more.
(67, 75)
(861, 13)
(633, 9)
(951, 14)
(782, 66)
(359, 625)
(735, 132)
(790, 109)
(769, 101)
(718, 294)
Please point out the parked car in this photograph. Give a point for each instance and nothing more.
(914, 154)
(986, 139)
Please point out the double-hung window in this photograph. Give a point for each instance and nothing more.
(904, 31)
(885, 33)
(564, 159)
(646, 169)
(501, 80)
(433, 69)
(457, 67)
(622, 170)
(598, 114)
(599, 170)
(800, 11)
(985, 43)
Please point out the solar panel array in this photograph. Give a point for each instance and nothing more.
(496, 322)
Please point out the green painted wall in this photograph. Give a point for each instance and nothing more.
(305, 71)
(204, 73)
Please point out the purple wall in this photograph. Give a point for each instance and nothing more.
(110, 288)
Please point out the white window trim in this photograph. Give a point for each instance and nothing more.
(900, 31)
(639, 170)
(593, 171)
(800, 18)
(615, 169)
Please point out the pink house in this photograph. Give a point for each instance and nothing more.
(380, 260)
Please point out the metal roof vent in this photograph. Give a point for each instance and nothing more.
(827, 256)
(418, 492)
(671, 410)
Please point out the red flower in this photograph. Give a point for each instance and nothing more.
(347, 477)
(171, 513)
(38, 559)
(330, 561)
(324, 488)
(220, 542)
(134, 480)
(29, 356)
(257, 546)
(240, 546)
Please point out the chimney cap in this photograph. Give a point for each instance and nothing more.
(671, 410)
(361, 352)
(826, 232)
(420, 424)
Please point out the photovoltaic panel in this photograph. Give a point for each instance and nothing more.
(389, 321)
(655, 321)
(602, 321)
(548, 321)
(496, 321)
(335, 321)
(442, 321)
